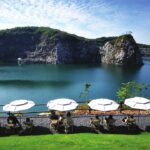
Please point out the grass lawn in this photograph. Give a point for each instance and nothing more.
(84, 141)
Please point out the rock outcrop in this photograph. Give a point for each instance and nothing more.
(121, 51)
(46, 45)
(145, 51)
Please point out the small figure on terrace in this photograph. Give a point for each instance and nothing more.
(13, 123)
(110, 122)
(68, 123)
(53, 122)
(95, 123)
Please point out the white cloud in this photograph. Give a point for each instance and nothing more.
(46, 12)
(88, 18)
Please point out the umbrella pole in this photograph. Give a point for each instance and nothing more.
(20, 118)
(102, 118)
(20, 114)
(139, 117)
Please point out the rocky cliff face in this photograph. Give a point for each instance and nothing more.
(46, 45)
(64, 52)
(145, 51)
(121, 51)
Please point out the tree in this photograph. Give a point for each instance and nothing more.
(131, 89)
(85, 92)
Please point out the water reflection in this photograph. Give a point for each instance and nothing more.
(34, 83)
(44, 82)
(121, 73)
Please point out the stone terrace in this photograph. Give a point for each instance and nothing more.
(142, 121)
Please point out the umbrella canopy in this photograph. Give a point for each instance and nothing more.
(18, 105)
(62, 104)
(138, 103)
(103, 104)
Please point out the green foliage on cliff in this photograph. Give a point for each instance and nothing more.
(101, 41)
(49, 32)
(125, 37)
(144, 46)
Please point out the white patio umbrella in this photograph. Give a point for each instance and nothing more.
(18, 105)
(138, 103)
(62, 104)
(103, 104)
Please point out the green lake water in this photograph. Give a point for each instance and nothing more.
(41, 82)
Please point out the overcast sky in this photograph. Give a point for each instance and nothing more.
(87, 18)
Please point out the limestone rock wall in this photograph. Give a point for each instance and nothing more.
(46, 45)
(121, 51)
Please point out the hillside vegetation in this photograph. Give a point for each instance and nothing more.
(47, 45)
